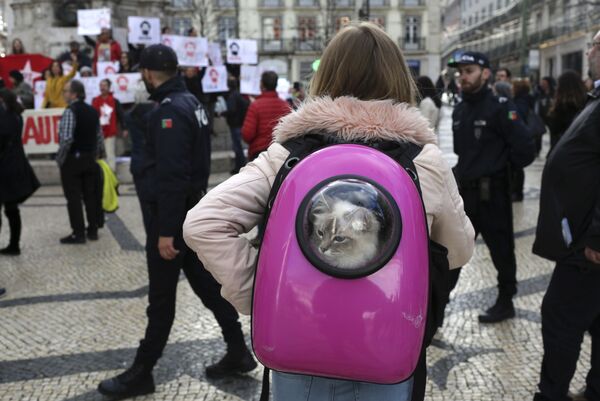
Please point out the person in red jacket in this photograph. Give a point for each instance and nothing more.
(105, 48)
(263, 115)
(111, 116)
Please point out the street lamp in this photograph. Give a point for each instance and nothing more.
(365, 11)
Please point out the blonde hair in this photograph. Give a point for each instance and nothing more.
(364, 62)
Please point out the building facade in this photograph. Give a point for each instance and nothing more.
(531, 37)
(291, 34)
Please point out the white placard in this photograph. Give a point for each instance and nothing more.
(124, 86)
(142, 30)
(39, 88)
(534, 59)
(104, 68)
(92, 87)
(215, 79)
(91, 22)
(250, 80)
(214, 53)
(242, 51)
(191, 51)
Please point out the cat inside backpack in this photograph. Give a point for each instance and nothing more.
(345, 235)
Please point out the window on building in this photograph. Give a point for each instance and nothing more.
(470, 20)
(181, 25)
(226, 28)
(344, 3)
(483, 14)
(506, 3)
(182, 3)
(378, 3)
(573, 61)
(476, 17)
(271, 3)
(306, 70)
(307, 28)
(225, 3)
(378, 20)
(499, 5)
(491, 10)
(271, 33)
(412, 31)
(306, 3)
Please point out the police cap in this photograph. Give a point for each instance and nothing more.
(158, 58)
(470, 58)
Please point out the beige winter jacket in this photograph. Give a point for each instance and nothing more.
(213, 227)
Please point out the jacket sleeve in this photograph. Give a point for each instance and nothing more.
(517, 136)
(213, 227)
(250, 124)
(447, 220)
(593, 235)
(173, 169)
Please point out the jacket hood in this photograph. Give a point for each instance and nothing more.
(352, 119)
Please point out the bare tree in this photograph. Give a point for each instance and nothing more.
(201, 9)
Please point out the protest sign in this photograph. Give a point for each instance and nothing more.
(104, 68)
(124, 86)
(250, 80)
(242, 51)
(40, 130)
(91, 22)
(143, 31)
(191, 51)
(214, 53)
(215, 79)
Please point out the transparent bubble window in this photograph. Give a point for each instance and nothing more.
(348, 226)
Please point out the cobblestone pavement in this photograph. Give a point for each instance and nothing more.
(73, 316)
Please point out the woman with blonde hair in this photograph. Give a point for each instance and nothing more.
(362, 92)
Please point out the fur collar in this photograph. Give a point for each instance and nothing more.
(352, 119)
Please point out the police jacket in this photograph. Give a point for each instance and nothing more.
(569, 218)
(488, 136)
(176, 157)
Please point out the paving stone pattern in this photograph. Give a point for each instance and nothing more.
(74, 315)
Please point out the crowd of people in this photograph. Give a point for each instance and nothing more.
(370, 99)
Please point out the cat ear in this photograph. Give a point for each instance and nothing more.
(322, 204)
(361, 219)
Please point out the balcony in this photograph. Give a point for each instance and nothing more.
(307, 45)
(412, 45)
(273, 46)
(412, 3)
(224, 4)
(341, 4)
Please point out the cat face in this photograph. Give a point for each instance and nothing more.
(345, 235)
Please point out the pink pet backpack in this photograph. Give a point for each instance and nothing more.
(342, 281)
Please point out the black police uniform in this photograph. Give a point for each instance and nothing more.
(489, 137)
(173, 179)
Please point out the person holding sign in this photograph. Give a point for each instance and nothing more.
(173, 178)
(56, 83)
(105, 49)
(111, 117)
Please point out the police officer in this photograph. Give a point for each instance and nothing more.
(489, 138)
(173, 178)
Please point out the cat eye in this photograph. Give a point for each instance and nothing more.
(319, 233)
(338, 238)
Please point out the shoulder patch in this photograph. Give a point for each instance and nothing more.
(166, 100)
(512, 115)
(502, 99)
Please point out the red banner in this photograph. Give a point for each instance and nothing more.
(30, 65)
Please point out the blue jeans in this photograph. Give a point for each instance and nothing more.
(236, 141)
(288, 387)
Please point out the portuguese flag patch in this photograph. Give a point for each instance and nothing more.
(166, 123)
(512, 115)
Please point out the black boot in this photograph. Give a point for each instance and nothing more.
(235, 361)
(137, 380)
(10, 250)
(502, 310)
(73, 239)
